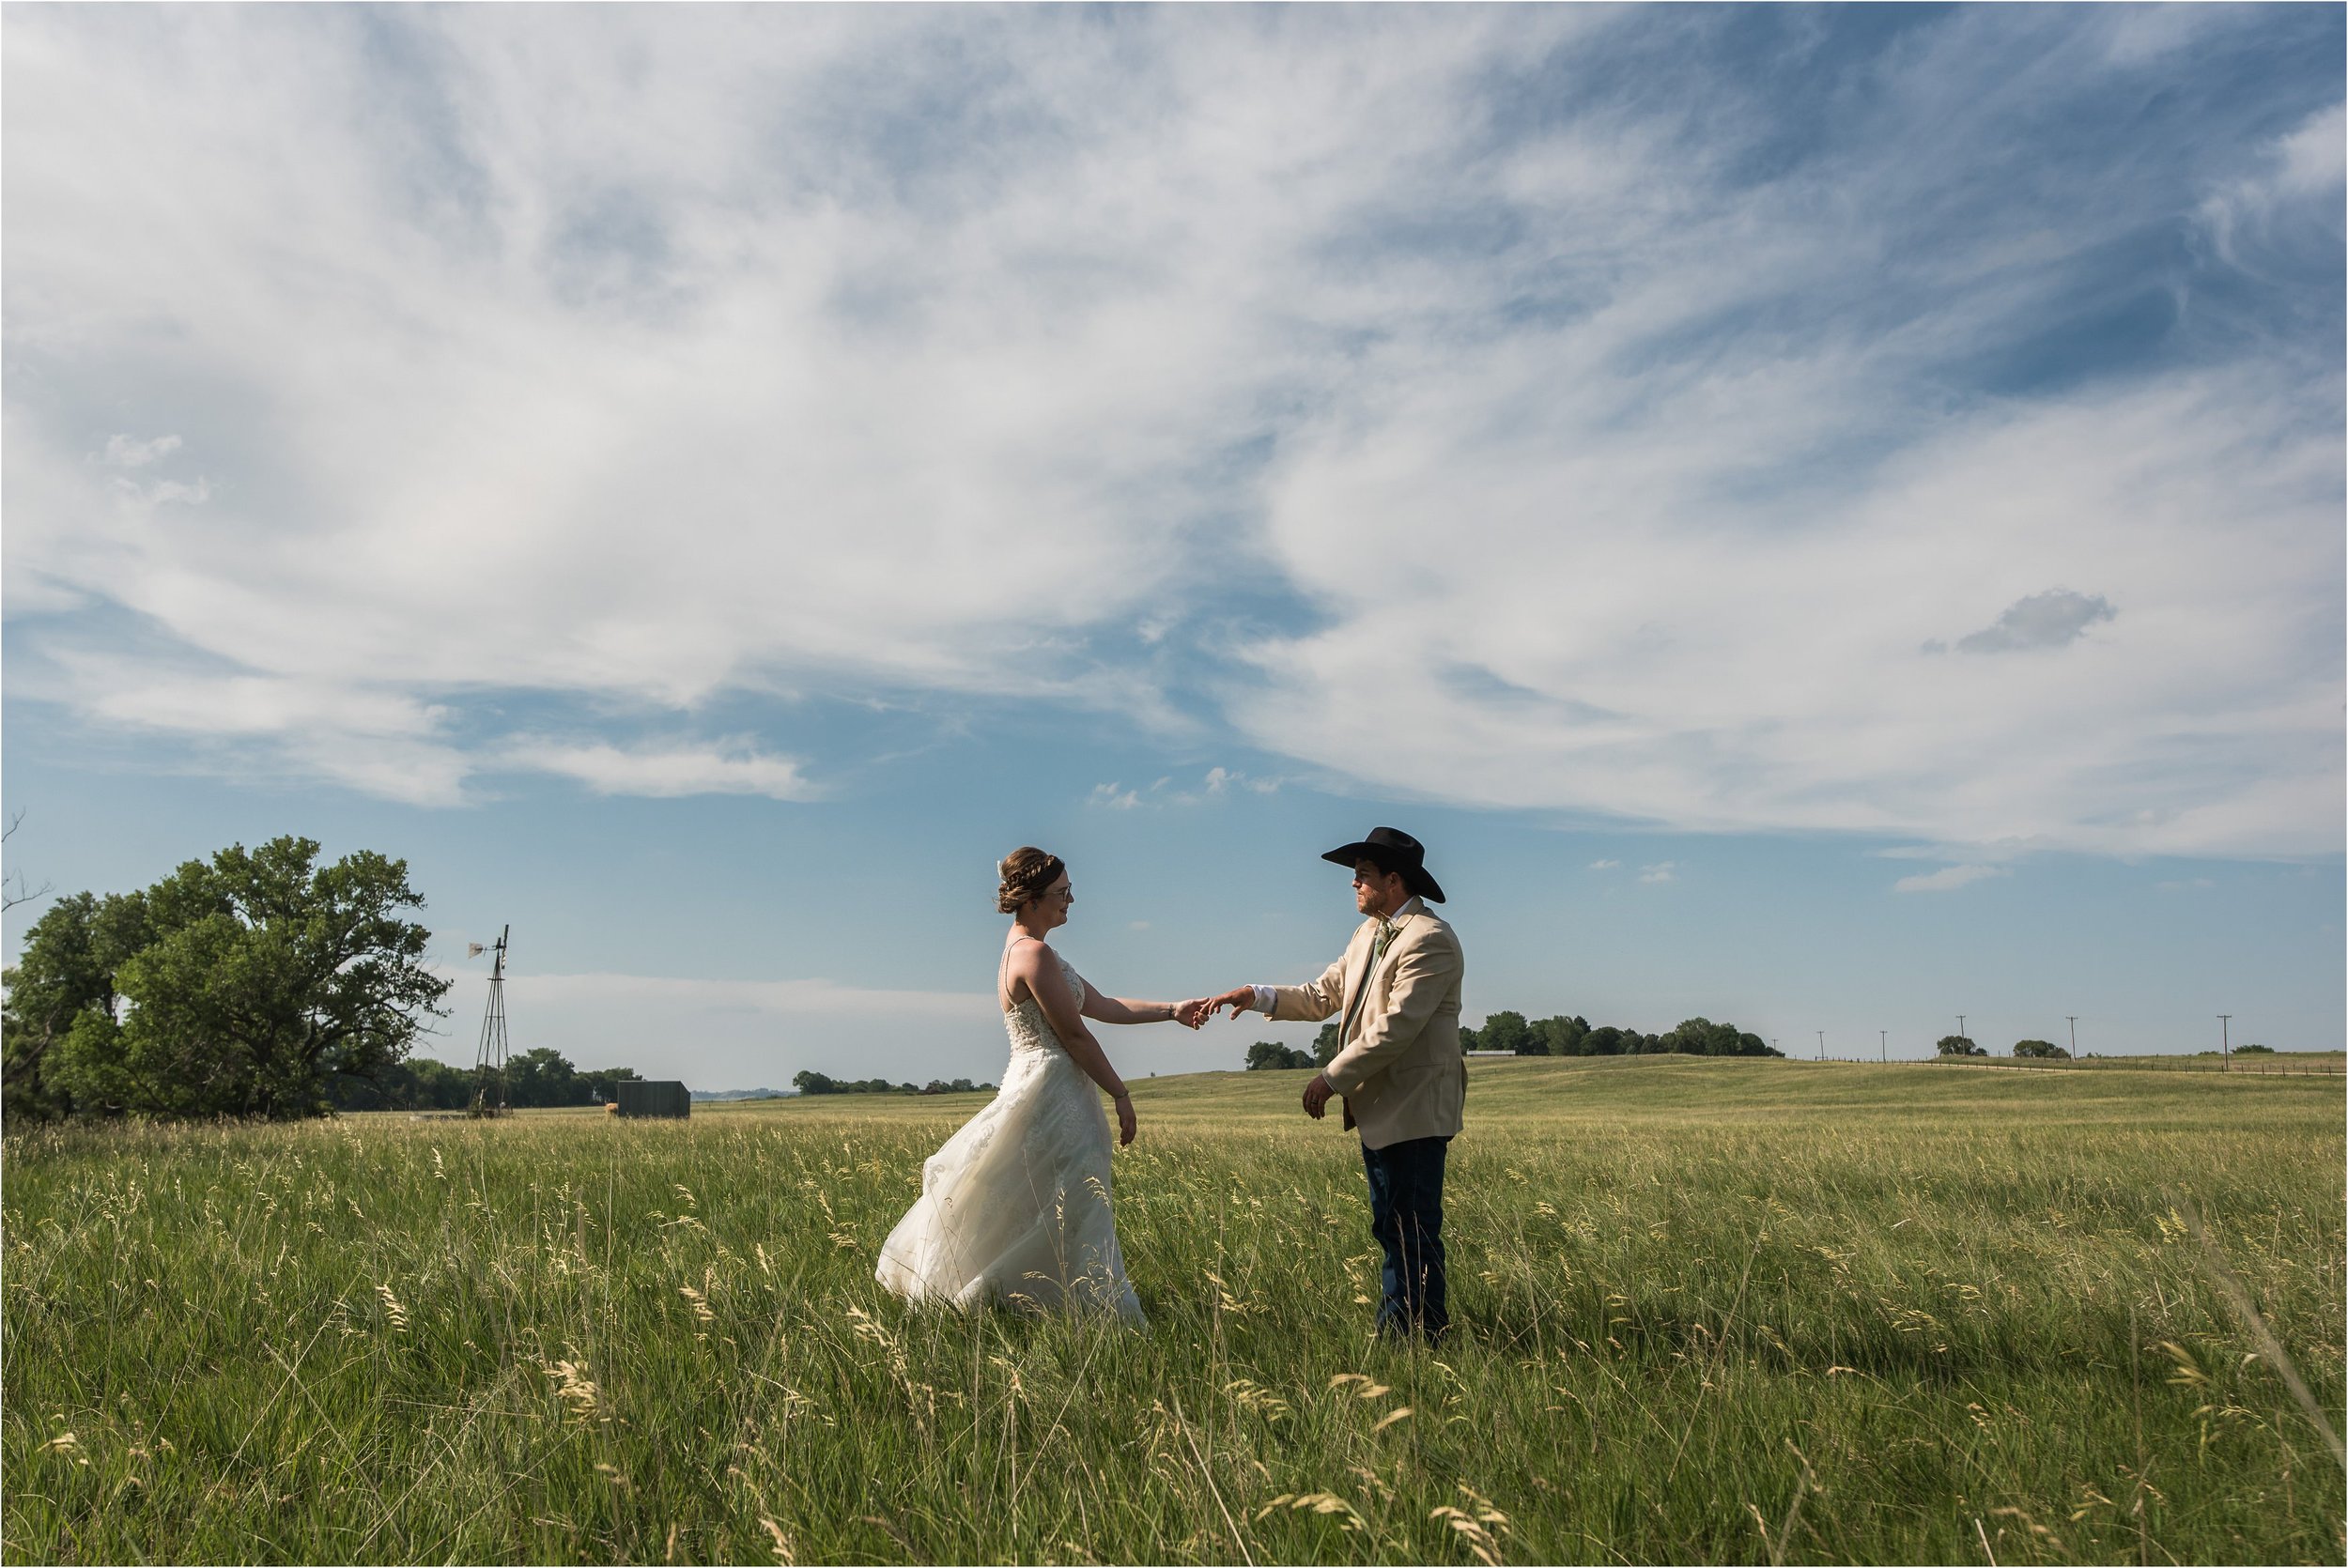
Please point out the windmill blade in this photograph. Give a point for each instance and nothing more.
(474, 950)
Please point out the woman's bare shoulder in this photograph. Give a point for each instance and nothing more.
(1029, 952)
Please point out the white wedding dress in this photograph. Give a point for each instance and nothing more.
(1016, 1206)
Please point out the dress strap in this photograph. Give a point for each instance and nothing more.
(1004, 962)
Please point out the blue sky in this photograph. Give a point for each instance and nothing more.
(1822, 519)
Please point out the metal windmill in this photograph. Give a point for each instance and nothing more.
(488, 1089)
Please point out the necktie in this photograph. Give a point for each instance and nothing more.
(1353, 1004)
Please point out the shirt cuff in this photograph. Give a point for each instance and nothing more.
(1263, 1000)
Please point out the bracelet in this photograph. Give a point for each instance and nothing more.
(1122, 1094)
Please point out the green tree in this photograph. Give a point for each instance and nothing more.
(2047, 1049)
(258, 982)
(1326, 1045)
(1271, 1055)
(1958, 1045)
(437, 1085)
(542, 1076)
(1504, 1031)
(71, 955)
(603, 1083)
(1701, 1036)
(1562, 1036)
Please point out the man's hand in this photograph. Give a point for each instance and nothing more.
(1238, 999)
(1317, 1094)
(1196, 1011)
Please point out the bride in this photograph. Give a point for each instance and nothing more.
(1016, 1205)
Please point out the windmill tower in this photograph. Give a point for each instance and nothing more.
(489, 1090)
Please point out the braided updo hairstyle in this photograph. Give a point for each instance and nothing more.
(1026, 871)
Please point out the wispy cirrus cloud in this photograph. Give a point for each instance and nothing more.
(735, 766)
(1218, 783)
(1609, 403)
(1948, 878)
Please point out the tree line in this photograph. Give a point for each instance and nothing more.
(1562, 1036)
(538, 1077)
(820, 1084)
(259, 983)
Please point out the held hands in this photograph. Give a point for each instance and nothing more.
(1193, 1014)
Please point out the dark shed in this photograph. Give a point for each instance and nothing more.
(666, 1097)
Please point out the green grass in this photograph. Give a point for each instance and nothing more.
(1709, 1311)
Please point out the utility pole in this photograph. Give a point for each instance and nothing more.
(2074, 1032)
(1883, 1044)
(1822, 1045)
(1960, 1028)
(2225, 1045)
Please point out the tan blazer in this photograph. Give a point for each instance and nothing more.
(1399, 1066)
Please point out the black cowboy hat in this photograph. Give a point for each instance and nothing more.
(1392, 850)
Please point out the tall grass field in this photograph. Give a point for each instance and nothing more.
(1734, 1311)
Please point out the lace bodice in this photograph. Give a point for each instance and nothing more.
(1030, 1031)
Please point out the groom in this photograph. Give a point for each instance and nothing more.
(1397, 1066)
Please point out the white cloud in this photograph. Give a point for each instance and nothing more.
(969, 351)
(2303, 168)
(128, 452)
(1622, 652)
(733, 766)
(2185, 885)
(244, 705)
(1663, 871)
(1217, 784)
(1947, 878)
(1605, 864)
(2314, 160)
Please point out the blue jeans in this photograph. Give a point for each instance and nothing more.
(1406, 1216)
